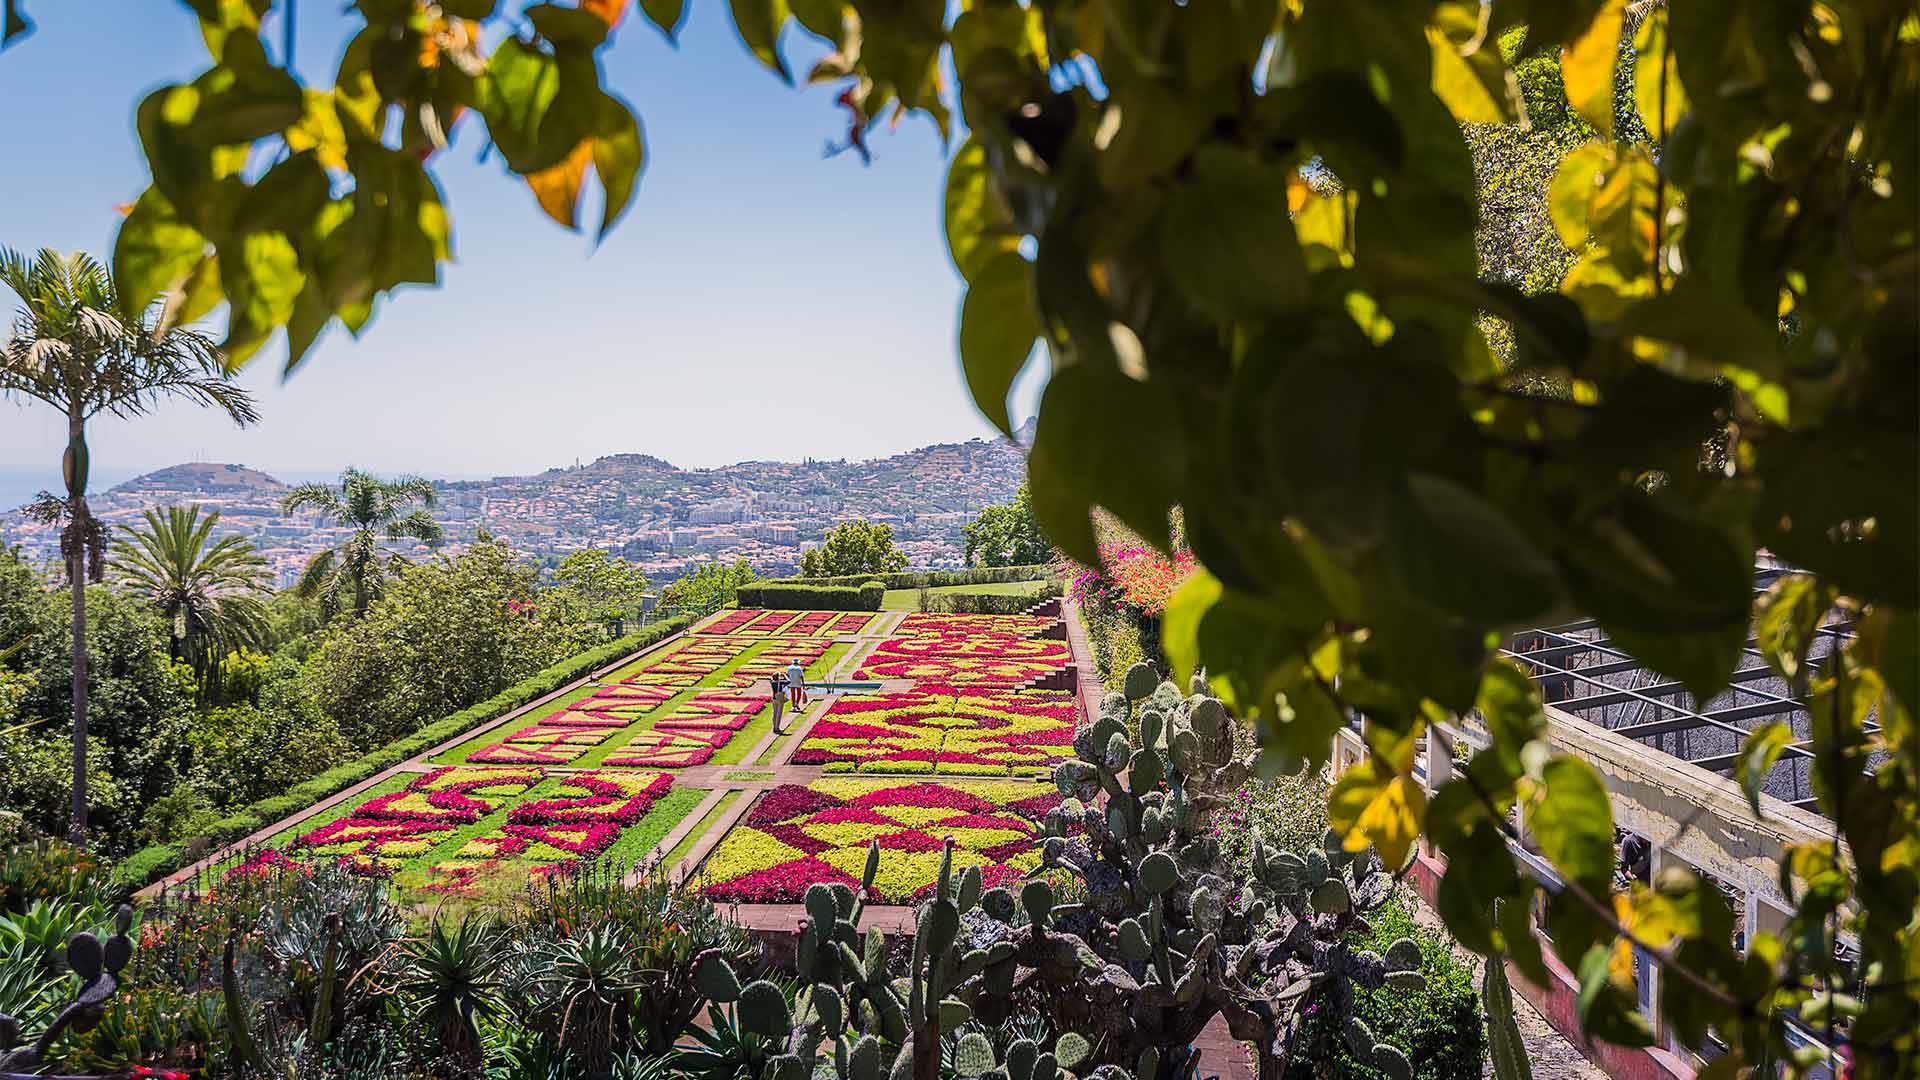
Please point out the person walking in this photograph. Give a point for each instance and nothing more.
(796, 684)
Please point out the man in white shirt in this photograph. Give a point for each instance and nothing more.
(796, 684)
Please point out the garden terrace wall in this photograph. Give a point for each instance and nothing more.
(858, 597)
(152, 863)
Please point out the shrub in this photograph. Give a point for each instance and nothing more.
(1439, 1028)
(918, 579)
(47, 869)
(863, 597)
(965, 603)
(159, 860)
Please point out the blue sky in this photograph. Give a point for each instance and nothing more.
(759, 300)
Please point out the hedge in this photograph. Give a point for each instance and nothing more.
(780, 594)
(965, 603)
(927, 579)
(152, 863)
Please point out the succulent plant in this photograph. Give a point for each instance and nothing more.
(98, 966)
(1161, 945)
(869, 1021)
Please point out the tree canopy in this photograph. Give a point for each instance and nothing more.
(854, 547)
(1007, 534)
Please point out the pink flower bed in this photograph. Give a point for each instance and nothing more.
(732, 621)
(851, 622)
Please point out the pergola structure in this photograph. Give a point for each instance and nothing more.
(1582, 673)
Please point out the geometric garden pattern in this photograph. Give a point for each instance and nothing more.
(955, 755)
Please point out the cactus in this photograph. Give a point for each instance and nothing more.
(878, 1024)
(1164, 941)
(98, 967)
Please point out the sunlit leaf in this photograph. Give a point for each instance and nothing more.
(1586, 66)
(1657, 92)
(979, 225)
(758, 23)
(1571, 818)
(1763, 748)
(1368, 806)
(998, 326)
(154, 250)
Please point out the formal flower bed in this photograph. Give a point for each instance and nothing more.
(928, 623)
(973, 660)
(543, 744)
(409, 822)
(669, 749)
(851, 622)
(713, 710)
(795, 836)
(769, 622)
(732, 621)
(776, 656)
(582, 820)
(944, 730)
(809, 624)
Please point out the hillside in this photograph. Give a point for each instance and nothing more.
(638, 504)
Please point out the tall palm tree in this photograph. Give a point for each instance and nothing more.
(208, 590)
(80, 347)
(377, 510)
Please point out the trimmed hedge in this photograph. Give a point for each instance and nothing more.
(965, 603)
(787, 596)
(154, 862)
(928, 579)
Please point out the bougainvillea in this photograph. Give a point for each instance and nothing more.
(1133, 574)
(944, 730)
(796, 836)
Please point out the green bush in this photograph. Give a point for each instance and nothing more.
(931, 579)
(1439, 1029)
(780, 595)
(158, 860)
(965, 603)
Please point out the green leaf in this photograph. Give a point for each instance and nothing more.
(1570, 196)
(1587, 67)
(262, 283)
(1787, 620)
(1459, 552)
(998, 324)
(619, 155)
(1763, 747)
(1370, 806)
(979, 224)
(154, 251)
(1228, 239)
(1607, 1011)
(1180, 625)
(1657, 92)
(1092, 448)
(665, 14)
(759, 23)
(1572, 821)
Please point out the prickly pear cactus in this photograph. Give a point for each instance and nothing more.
(1164, 941)
(868, 1021)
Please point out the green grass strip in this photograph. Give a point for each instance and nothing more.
(700, 829)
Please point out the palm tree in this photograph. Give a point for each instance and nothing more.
(80, 347)
(208, 592)
(377, 511)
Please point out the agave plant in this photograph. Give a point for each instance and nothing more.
(449, 983)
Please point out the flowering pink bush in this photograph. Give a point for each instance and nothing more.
(1134, 574)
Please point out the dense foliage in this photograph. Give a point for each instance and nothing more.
(1007, 534)
(854, 547)
(778, 594)
(709, 588)
(168, 758)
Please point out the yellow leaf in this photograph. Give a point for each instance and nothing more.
(1657, 92)
(1469, 74)
(1620, 957)
(1586, 67)
(1366, 808)
(557, 187)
